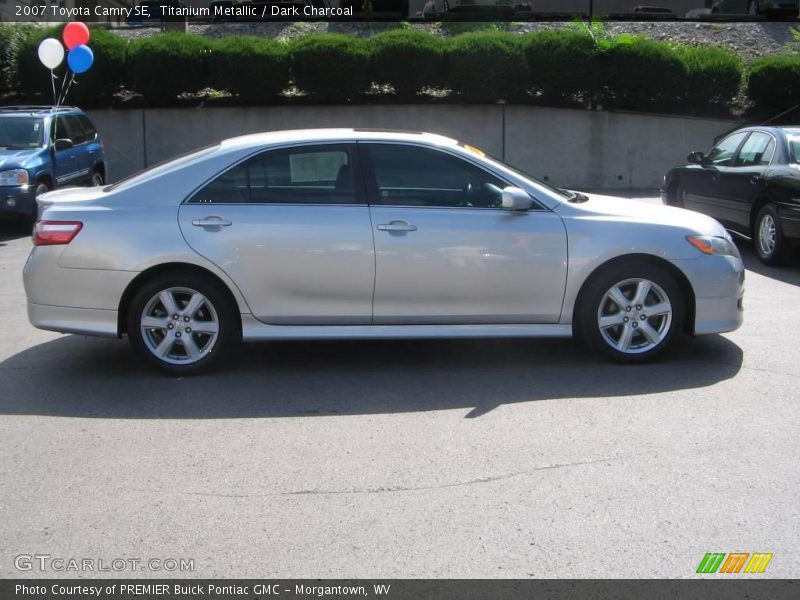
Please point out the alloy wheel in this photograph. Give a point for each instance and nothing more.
(179, 326)
(766, 235)
(634, 316)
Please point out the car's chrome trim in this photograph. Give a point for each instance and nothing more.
(253, 330)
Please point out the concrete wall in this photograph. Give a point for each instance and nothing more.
(574, 148)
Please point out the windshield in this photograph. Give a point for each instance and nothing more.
(557, 191)
(158, 169)
(21, 133)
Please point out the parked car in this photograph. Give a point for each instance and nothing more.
(756, 7)
(42, 148)
(348, 233)
(750, 182)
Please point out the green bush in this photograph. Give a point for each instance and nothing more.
(164, 66)
(330, 67)
(12, 38)
(773, 83)
(562, 64)
(409, 60)
(95, 86)
(640, 74)
(713, 75)
(486, 66)
(253, 68)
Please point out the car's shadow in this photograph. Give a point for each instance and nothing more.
(789, 272)
(74, 376)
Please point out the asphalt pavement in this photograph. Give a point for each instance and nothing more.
(498, 458)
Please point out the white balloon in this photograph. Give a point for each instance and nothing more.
(51, 53)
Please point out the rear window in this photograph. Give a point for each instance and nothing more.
(162, 167)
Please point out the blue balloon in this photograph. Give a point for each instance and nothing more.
(80, 58)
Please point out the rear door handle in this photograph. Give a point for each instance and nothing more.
(211, 222)
(397, 226)
(755, 179)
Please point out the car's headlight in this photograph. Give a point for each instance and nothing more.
(710, 244)
(14, 177)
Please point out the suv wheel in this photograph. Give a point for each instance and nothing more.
(630, 312)
(97, 179)
(183, 323)
(41, 188)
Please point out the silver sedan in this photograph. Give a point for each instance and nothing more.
(369, 234)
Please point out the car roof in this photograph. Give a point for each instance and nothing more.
(36, 109)
(344, 134)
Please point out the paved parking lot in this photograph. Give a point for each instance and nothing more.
(522, 458)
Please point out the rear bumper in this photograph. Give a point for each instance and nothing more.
(65, 319)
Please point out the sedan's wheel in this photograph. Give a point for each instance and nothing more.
(680, 197)
(630, 312)
(182, 323)
(769, 241)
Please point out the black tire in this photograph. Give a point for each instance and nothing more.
(770, 250)
(678, 198)
(97, 179)
(593, 302)
(218, 307)
(753, 9)
(41, 188)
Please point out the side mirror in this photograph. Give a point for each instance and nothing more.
(697, 158)
(515, 198)
(63, 144)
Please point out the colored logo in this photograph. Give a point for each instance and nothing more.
(735, 562)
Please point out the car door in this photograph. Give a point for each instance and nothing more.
(744, 182)
(65, 162)
(447, 253)
(702, 185)
(291, 229)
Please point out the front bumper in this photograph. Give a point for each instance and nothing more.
(718, 284)
(17, 200)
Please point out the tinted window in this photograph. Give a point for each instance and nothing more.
(794, 149)
(91, 132)
(723, 153)
(757, 150)
(20, 132)
(67, 128)
(414, 176)
(304, 175)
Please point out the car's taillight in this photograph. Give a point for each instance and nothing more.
(52, 233)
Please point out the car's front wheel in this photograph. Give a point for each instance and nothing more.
(630, 311)
(768, 236)
(183, 323)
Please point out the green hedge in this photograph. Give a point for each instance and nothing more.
(409, 60)
(713, 75)
(95, 86)
(254, 68)
(563, 65)
(486, 66)
(164, 66)
(330, 67)
(640, 74)
(773, 84)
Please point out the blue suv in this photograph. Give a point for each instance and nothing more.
(42, 148)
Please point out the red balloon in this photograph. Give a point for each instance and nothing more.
(75, 34)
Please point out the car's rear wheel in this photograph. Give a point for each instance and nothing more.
(630, 311)
(97, 179)
(768, 236)
(183, 323)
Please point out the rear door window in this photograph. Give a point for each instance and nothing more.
(756, 151)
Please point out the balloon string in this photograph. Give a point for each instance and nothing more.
(53, 83)
(71, 80)
(61, 92)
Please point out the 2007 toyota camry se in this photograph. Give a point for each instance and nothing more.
(369, 234)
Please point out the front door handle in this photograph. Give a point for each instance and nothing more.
(211, 222)
(755, 179)
(397, 226)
